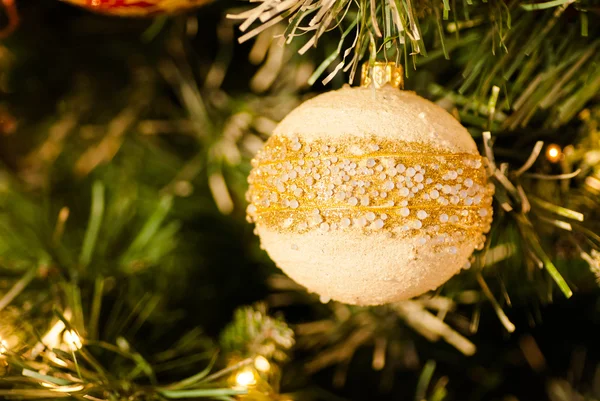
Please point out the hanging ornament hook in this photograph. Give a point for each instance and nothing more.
(382, 73)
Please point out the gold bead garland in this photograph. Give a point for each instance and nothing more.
(372, 185)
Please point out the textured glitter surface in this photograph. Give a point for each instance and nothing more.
(404, 189)
(353, 113)
(368, 196)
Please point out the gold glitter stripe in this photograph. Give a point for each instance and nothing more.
(374, 156)
(264, 187)
(367, 208)
(455, 225)
(288, 191)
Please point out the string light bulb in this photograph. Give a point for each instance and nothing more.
(3, 346)
(262, 364)
(63, 389)
(72, 339)
(553, 153)
(245, 378)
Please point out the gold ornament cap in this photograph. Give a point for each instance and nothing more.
(382, 73)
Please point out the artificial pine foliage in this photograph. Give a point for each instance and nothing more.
(127, 267)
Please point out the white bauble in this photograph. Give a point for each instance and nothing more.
(368, 196)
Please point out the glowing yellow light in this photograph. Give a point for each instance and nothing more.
(245, 378)
(69, 389)
(73, 388)
(262, 364)
(72, 339)
(553, 153)
(3, 346)
(55, 359)
(52, 338)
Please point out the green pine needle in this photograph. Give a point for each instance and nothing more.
(546, 5)
(93, 228)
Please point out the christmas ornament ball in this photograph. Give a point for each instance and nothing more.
(369, 196)
(137, 8)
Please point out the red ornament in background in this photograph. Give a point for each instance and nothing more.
(13, 18)
(137, 8)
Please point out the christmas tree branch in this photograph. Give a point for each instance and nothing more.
(401, 31)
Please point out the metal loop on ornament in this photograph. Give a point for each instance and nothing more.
(382, 73)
